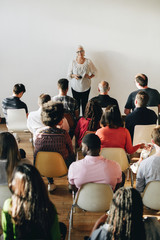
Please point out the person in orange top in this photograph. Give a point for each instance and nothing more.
(113, 134)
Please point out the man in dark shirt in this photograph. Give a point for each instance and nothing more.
(103, 98)
(14, 102)
(141, 82)
(141, 115)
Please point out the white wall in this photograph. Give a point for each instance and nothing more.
(38, 40)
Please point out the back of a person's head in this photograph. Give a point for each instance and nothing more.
(126, 215)
(142, 79)
(142, 98)
(112, 117)
(18, 88)
(29, 192)
(92, 141)
(63, 84)
(93, 110)
(43, 98)
(52, 113)
(9, 151)
(156, 135)
(103, 87)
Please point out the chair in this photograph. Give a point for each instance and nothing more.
(4, 194)
(17, 120)
(51, 164)
(118, 155)
(151, 195)
(92, 197)
(142, 134)
(70, 119)
(155, 109)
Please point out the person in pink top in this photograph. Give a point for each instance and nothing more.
(113, 134)
(90, 121)
(94, 168)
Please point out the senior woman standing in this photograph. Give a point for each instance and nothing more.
(81, 71)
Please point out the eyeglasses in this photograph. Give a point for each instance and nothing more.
(81, 51)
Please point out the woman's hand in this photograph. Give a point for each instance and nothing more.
(75, 76)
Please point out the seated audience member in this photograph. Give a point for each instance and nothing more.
(53, 139)
(29, 213)
(149, 168)
(141, 82)
(90, 121)
(10, 156)
(141, 114)
(103, 98)
(34, 121)
(113, 134)
(14, 102)
(125, 219)
(94, 168)
(69, 103)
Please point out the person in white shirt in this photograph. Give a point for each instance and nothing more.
(80, 73)
(34, 121)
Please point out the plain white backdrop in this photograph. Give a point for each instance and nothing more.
(38, 39)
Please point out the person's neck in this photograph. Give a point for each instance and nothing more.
(80, 59)
(140, 87)
(94, 153)
(15, 95)
(157, 150)
(106, 93)
(61, 93)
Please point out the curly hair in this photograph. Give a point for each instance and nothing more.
(93, 110)
(52, 113)
(31, 207)
(126, 215)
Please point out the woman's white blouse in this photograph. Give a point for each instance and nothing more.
(83, 84)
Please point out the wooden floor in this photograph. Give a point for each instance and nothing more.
(83, 221)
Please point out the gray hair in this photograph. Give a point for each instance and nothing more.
(103, 87)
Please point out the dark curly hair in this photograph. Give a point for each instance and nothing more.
(52, 113)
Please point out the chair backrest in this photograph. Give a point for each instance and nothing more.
(142, 133)
(94, 197)
(16, 120)
(51, 164)
(4, 194)
(155, 109)
(70, 119)
(116, 154)
(151, 195)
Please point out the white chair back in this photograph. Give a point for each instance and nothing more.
(94, 197)
(155, 109)
(142, 133)
(16, 120)
(116, 154)
(151, 195)
(4, 194)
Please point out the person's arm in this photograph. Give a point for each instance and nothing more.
(69, 145)
(76, 113)
(129, 147)
(55, 229)
(159, 108)
(70, 72)
(140, 179)
(99, 222)
(7, 225)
